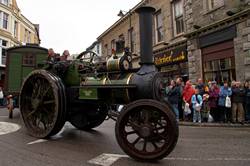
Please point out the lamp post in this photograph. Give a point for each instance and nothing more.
(121, 14)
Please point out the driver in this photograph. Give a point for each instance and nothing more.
(51, 55)
(65, 55)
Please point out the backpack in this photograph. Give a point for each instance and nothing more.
(196, 98)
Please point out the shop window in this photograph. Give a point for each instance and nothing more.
(178, 17)
(28, 60)
(158, 26)
(220, 70)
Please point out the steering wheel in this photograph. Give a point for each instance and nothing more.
(84, 55)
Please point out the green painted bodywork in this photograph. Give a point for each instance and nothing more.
(16, 72)
(72, 76)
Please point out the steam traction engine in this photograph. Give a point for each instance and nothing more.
(84, 91)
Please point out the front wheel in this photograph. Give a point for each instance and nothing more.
(43, 104)
(147, 130)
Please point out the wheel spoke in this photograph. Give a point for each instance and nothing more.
(31, 113)
(154, 144)
(134, 125)
(49, 102)
(130, 133)
(145, 146)
(160, 128)
(136, 141)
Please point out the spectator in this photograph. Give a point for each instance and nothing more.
(206, 109)
(238, 94)
(1, 96)
(10, 105)
(187, 94)
(213, 100)
(197, 104)
(173, 96)
(247, 102)
(179, 85)
(200, 85)
(233, 84)
(224, 112)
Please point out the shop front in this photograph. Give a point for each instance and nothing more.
(173, 62)
(218, 58)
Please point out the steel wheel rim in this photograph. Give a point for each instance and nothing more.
(157, 112)
(39, 105)
(151, 131)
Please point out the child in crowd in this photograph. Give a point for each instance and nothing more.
(197, 104)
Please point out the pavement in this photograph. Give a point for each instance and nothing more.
(198, 144)
(236, 125)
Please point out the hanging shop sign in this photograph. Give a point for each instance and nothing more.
(175, 56)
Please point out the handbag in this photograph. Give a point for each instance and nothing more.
(187, 109)
(228, 102)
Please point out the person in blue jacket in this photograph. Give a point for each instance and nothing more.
(197, 102)
(225, 112)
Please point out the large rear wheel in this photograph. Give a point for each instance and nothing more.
(43, 104)
(147, 130)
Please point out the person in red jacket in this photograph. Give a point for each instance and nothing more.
(188, 92)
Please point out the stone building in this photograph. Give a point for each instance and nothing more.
(207, 39)
(218, 39)
(169, 45)
(15, 29)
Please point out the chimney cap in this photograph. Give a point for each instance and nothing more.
(145, 9)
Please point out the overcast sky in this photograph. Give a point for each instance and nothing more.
(75, 24)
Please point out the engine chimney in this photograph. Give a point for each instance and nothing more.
(146, 31)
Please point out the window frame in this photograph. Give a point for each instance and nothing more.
(30, 59)
(15, 29)
(5, 20)
(5, 2)
(132, 39)
(177, 19)
(27, 36)
(2, 51)
(158, 28)
(112, 45)
(211, 5)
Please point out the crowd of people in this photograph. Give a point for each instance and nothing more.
(199, 102)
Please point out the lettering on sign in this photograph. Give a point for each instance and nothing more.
(171, 57)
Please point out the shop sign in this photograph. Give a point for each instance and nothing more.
(171, 57)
